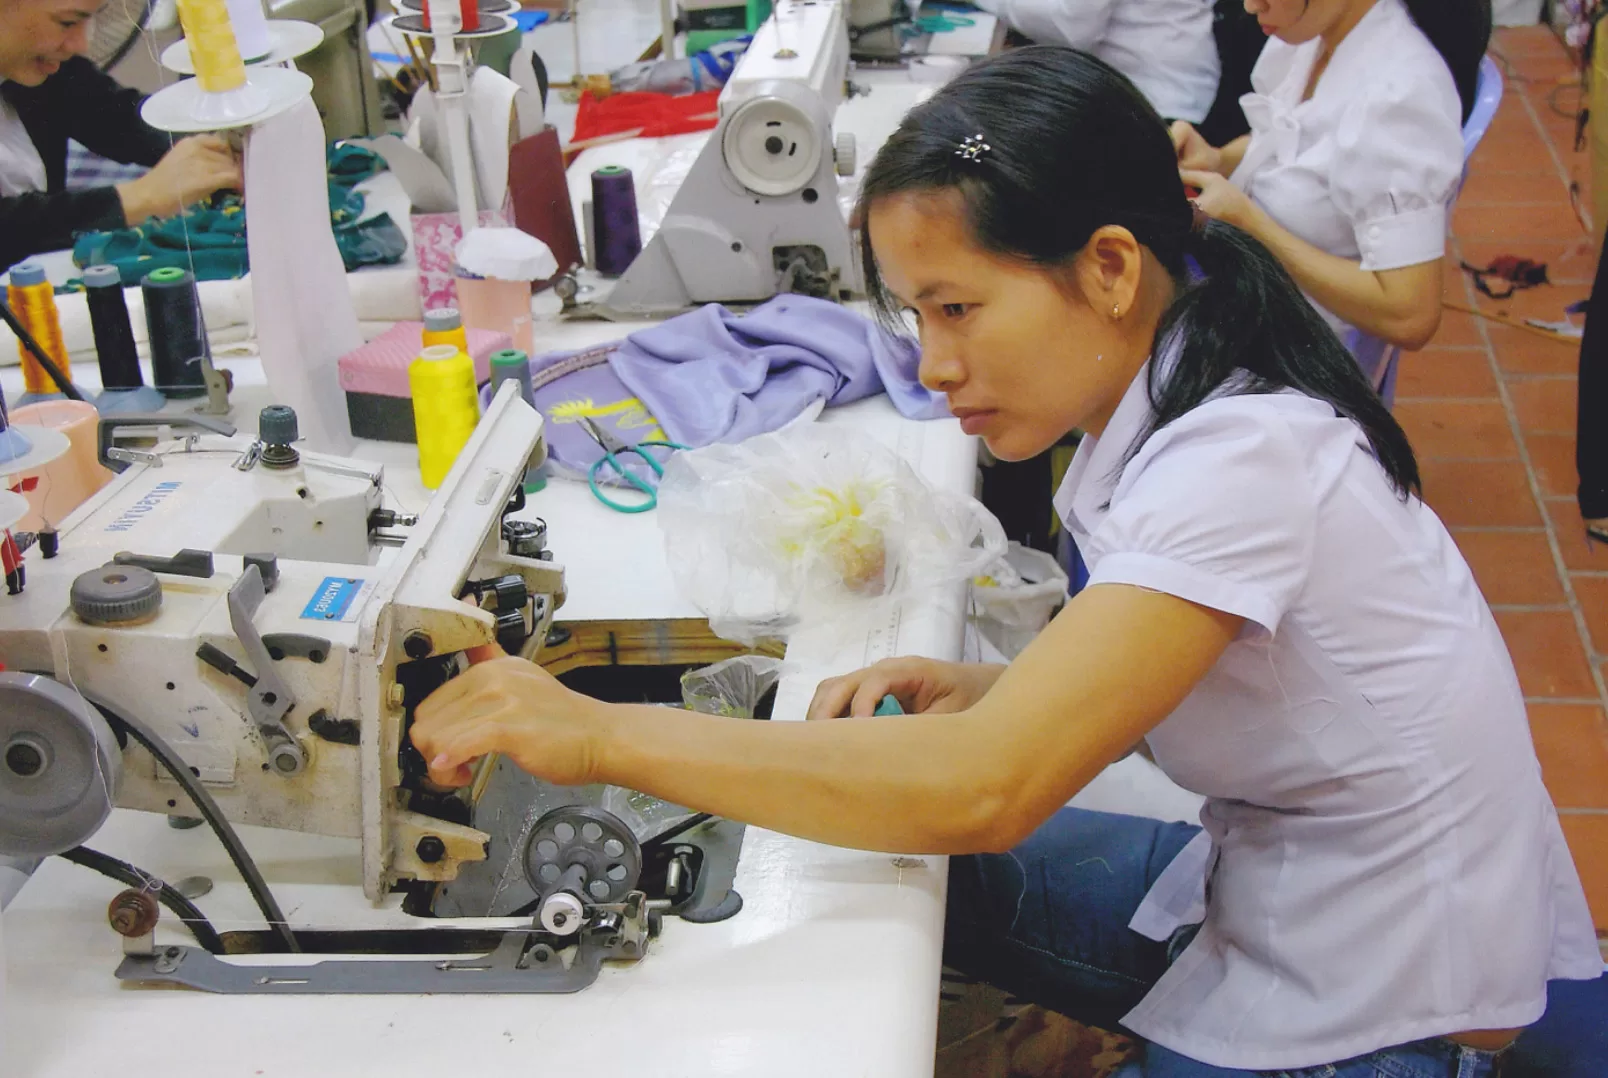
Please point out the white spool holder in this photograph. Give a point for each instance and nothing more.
(487, 7)
(45, 445)
(185, 108)
(13, 507)
(412, 25)
(287, 39)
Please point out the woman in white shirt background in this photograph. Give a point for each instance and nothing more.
(1381, 882)
(1354, 155)
(1165, 47)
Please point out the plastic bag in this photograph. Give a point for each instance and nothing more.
(733, 688)
(811, 525)
(1014, 599)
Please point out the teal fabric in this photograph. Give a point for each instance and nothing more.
(210, 240)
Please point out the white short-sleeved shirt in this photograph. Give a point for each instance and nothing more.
(1367, 167)
(1386, 863)
(21, 168)
(1165, 47)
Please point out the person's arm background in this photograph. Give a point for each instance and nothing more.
(37, 222)
(104, 115)
(78, 102)
(1078, 24)
(1401, 306)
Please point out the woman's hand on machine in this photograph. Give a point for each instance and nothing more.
(922, 686)
(513, 707)
(194, 169)
(1194, 152)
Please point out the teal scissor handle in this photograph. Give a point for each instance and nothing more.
(612, 462)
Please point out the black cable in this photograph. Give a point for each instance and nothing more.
(226, 834)
(63, 383)
(127, 874)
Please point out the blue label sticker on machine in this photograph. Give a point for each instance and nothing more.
(336, 599)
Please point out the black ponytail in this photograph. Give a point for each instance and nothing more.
(1274, 341)
(1074, 147)
(1460, 30)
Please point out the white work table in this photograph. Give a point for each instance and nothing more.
(831, 967)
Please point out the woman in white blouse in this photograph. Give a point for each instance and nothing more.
(1165, 47)
(1381, 884)
(1354, 155)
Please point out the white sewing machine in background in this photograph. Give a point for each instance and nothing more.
(759, 214)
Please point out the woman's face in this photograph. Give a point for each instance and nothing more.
(1295, 21)
(1021, 353)
(38, 36)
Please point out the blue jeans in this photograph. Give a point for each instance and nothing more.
(1048, 923)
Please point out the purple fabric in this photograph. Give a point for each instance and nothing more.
(714, 376)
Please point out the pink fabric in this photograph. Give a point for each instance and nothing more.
(435, 240)
(381, 365)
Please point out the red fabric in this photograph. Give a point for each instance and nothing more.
(656, 115)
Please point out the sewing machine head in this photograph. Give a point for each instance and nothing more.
(264, 614)
(758, 213)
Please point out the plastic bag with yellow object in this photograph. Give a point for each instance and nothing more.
(810, 525)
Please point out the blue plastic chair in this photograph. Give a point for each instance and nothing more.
(1379, 359)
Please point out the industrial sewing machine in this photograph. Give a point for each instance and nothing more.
(237, 631)
(758, 213)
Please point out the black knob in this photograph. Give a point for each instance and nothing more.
(430, 849)
(276, 425)
(774, 145)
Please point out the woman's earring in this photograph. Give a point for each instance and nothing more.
(1116, 310)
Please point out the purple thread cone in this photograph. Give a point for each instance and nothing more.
(614, 210)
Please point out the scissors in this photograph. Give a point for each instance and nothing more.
(613, 448)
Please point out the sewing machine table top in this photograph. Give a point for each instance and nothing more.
(831, 968)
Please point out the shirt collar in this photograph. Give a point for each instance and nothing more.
(1084, 495)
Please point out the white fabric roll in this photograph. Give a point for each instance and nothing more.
(250, 25)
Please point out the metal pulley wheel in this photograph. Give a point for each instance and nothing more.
(771, 146)
(583, 853)
(59, 767)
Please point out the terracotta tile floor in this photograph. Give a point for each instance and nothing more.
(1491, 412)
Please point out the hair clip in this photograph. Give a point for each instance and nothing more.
(973, 148)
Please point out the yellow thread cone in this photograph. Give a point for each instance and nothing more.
(213, 49)
(445, 408)
(35, 307)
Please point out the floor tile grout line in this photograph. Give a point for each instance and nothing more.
(1558, 564)
(1552, 151)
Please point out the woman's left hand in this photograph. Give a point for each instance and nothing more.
(513, 707)
(1218, 197)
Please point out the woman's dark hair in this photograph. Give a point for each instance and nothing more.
(1460, 30)
(1072, 147)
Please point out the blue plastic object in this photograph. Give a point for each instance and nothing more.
(529, 20)
(889, 706)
